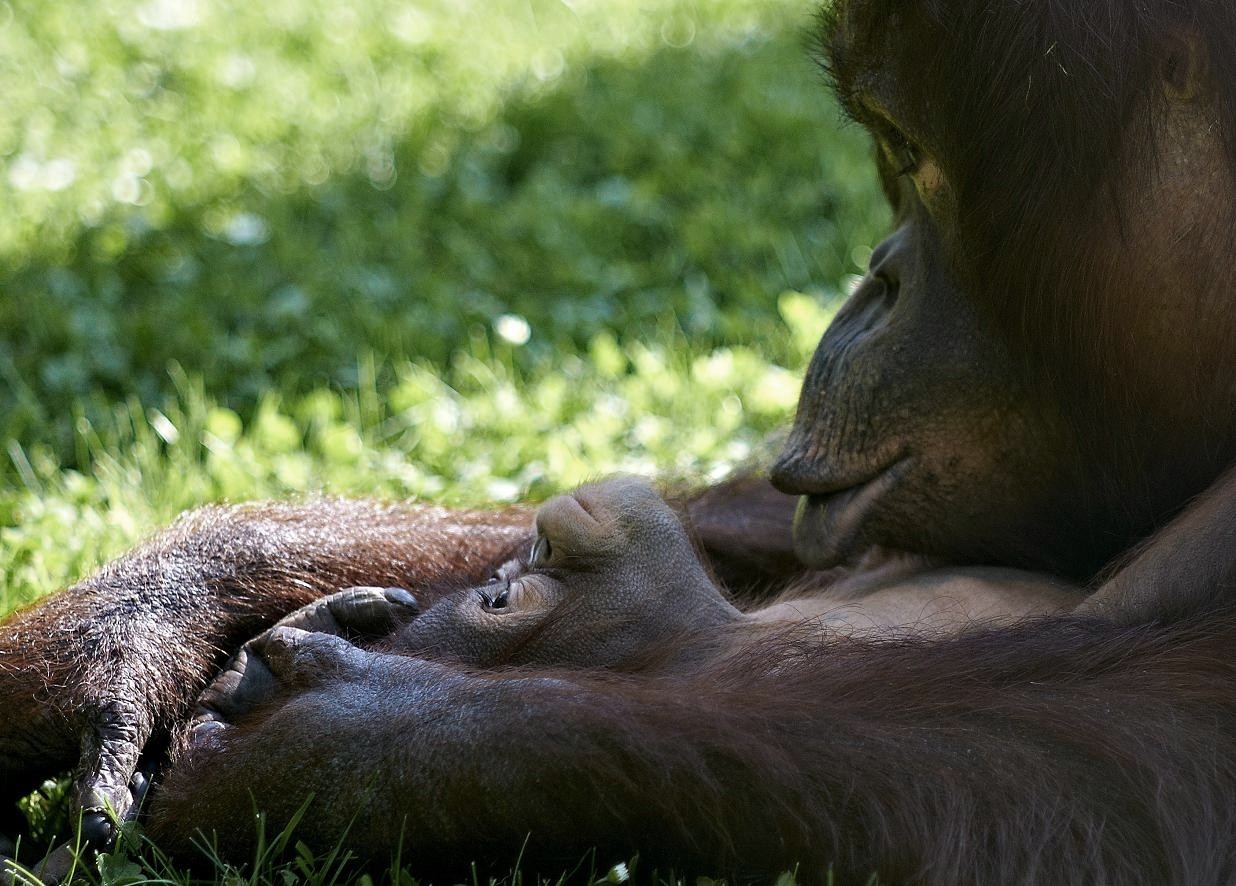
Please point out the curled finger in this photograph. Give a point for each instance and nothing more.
(356, 613)
(111, 750)
(300, 659)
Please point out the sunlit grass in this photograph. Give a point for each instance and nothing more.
(480, 432)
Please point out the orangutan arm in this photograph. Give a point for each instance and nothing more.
(745, 528)
(1072, 751)
(89, 675)
(1188, 565)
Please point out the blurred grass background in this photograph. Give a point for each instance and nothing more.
(466, 250)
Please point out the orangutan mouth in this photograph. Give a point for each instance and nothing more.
(826, 527)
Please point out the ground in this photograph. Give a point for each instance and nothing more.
(400, 249)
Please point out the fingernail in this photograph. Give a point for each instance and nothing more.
(402, 597)
(138, 785)
(284, 635)
(205, 733)
(97, 830)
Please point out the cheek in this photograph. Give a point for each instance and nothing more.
(457, 632)
(929, 178)
(936, 196)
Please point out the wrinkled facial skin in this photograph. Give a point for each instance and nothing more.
(926, 421)
(612, 578)
(913, 430)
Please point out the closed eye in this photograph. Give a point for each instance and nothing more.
(542, 550)
(904, 155)
(496, 594)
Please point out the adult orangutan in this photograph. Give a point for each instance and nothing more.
(1036, 373)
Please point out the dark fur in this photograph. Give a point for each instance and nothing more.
(1045, 130)
(1071, 751)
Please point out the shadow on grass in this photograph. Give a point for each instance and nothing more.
(281, 858)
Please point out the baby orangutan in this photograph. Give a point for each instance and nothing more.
(611, 594)
(612, 582)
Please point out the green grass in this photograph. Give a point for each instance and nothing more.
(315, 181)
(470, 252)
(278, 310)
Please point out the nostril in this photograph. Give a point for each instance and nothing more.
(889, 290)
(876, 295)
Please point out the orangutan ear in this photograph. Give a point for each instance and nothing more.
(1185, 67)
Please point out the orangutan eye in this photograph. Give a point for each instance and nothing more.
(904, 154)
(497, 598)
(496, 594)
(541, 552)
